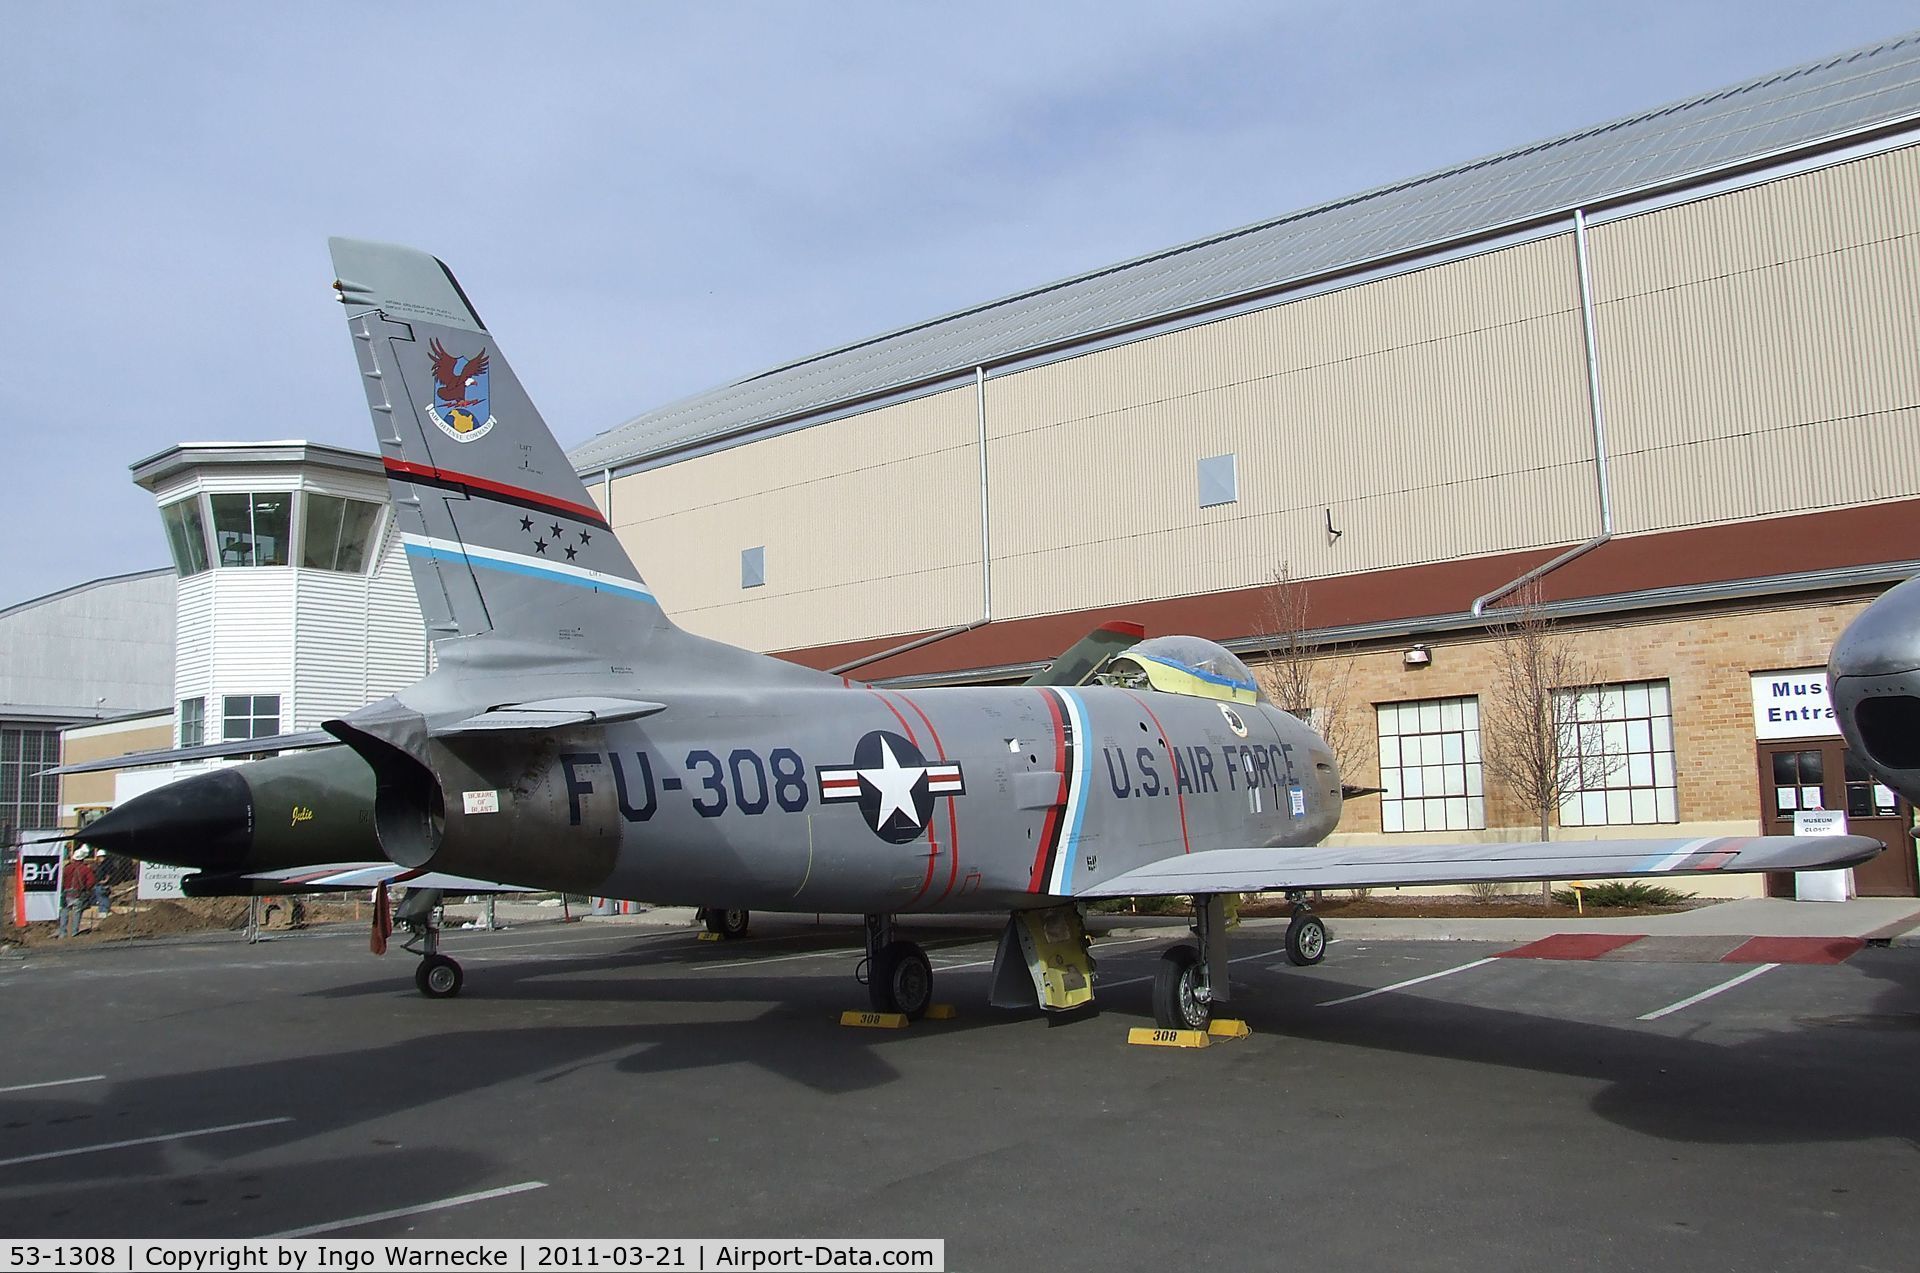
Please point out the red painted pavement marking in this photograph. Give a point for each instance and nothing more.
(1794, 950)
(1572, 946)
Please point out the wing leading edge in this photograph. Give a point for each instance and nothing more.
(1383, 866)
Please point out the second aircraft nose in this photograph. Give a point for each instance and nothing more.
(204, 822)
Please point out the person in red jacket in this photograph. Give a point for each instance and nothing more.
(76, 885)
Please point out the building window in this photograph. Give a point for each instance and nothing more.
(28, 801)
(337, 533)
(1621, 769)
(250, 716)
(1219, 480)
(1430, 765)
(251, 530)
(193, 722)
(186, 535)
(753, 567)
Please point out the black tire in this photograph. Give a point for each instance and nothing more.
(1177, 1004)
(1306, 941)
(438, 977)
(729, 924)
(901, 980)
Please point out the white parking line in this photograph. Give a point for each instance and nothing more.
(333, 1226)
(778, 959)
(1690, 1000)
(1402, 985)
(28, 1087)
(144, 1140)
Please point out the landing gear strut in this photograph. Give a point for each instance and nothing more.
(1190, 981)
(899, 977)
(1306, 935)
(438, 976)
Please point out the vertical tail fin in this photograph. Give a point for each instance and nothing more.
(500, 533)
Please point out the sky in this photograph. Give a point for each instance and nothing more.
(647, 200)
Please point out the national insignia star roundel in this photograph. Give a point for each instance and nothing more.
(893, 784)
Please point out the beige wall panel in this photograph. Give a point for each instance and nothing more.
(870, 524)
(1760, 350)
(1439, 414)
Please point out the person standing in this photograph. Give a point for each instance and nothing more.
(76, 890)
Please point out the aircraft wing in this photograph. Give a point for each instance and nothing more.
(303, 741)
(1382, 866)
(337, 877)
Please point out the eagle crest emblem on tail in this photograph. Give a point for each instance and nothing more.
(459, 405)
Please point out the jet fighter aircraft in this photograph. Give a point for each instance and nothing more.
(1874, 673)
(572, 737)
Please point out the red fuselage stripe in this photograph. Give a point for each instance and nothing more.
(1173, 755)
(933, 841)
(1050, 828)
(950, 777)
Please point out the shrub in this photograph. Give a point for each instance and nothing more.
(1616, 893)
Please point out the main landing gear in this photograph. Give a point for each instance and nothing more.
(726, 923)
(437, 976)
(1306, 935)
(899, 978)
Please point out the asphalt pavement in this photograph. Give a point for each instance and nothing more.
(1411, 1104)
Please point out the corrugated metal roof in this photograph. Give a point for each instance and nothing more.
(1805, 105)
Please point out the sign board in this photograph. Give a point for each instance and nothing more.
(1793, 705)
(161, 883)
(1822, 886)
(36, 895)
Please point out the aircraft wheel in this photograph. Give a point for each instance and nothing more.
(901, 980)
(1306, 941)
(1177, 1004)
(729, 924)
(438, 977)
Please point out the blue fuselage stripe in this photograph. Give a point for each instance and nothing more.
(619, 587)
(1082, 770)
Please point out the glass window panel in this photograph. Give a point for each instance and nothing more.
(356, 536)
(193, 722)
(1415, 815)
(1473, 781)
(1413, 783)
(320, 537)
(1810, 798)
(1453, 749)
(1450, 714)
(1639, 771)
(1457, 813)
(1476, 813)
(1660, 701)
(9, 744)
(1434, 779)
(1470, 712)
(1786, 771)
(1570, 811)
(1665, 807)
(1813, 768)
(1430, 750)
(1785, 799)
(1429, 717)
(1859, 801)
(1663, 733)
(1639, 735)
(1593, 807)
(1389, 752)
(1663, 769)
(1642, 802)
(1410, 750)
(1619, 807)
(1390, 779)
(1613, 705)
(186, 535)
(1390, 816)
(1636, 700)
(1613, 738)
(1471, 749)
(272, 518)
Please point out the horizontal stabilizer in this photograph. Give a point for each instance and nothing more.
(209, 751)
(1382, 866)
(551, 713)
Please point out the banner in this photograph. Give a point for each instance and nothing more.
(36, 895)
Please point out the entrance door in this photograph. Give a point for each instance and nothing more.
(1823, 774)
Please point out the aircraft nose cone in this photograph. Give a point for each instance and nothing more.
(204, 822)
(1884, 640)
(1875, 673)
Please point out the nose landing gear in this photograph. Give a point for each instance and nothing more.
(898, 974)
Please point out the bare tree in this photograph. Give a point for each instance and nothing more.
(1532, 725)
(1299, 676)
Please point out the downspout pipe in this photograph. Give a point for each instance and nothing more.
(1598, 419)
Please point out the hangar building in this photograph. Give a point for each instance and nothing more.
(1669, 365)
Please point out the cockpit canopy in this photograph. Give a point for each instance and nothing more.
(1186, 665)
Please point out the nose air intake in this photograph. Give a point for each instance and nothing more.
(1890, 730)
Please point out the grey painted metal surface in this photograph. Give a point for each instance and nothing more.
(1693, 139)
(100, 649)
